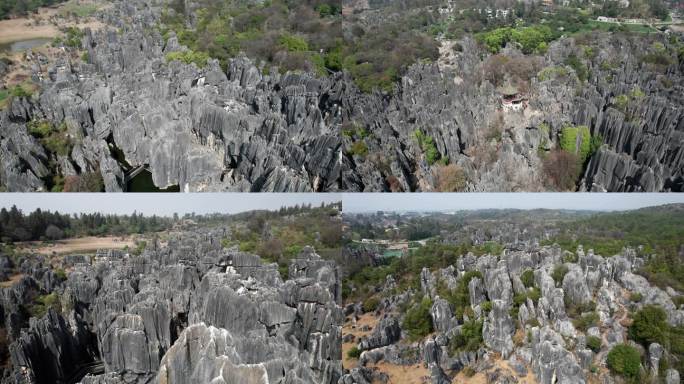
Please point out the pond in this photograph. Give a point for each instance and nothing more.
(142, 182)
(23, 45)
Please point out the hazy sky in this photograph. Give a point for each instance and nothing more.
(161, 204)
(469, 201)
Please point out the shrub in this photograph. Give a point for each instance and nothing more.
(293, 43)
(39, 128)
(41, 304)
(468, 340)
(449, 178)
(354, 352)
(624, 360)
(649, 325)
(559, 273)
(586, 321)
(486, 306)
(370, 304)
(418, 322)
(635, 297)
(427, 145)
(358, 148)
(527, 278)
(562, 170)
(594, 343)
(534, 294)
(61, 274)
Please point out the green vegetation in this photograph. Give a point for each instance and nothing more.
(354, 352)
(56, 140)
(468, 340)
(418, 322)
(581, 69)
(594, 343)
(15, 226)
(427, 145)
(41, 304)
(659, 230)
(636, 297)
(358, 148)
(77, 9)
(23, 7)
(61, 274)
(459, 298)
(72, 38)
(650, 326)
(624, 360)
(586, 321)
(406, 270)
(370, 304)
(189, 57)
(533, 39)
(572, 136)
(550, 73)
(527, 278)
(559, 273)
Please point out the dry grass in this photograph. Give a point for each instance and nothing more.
(81, 244)
(13, 279)
(349, 329)
(47, 22)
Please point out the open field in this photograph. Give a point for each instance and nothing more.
(77, 245)
(47, 21)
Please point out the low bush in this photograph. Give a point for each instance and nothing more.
(527, 278)
(370, 304)
(354, 353)
(594, 343)
(624, 360)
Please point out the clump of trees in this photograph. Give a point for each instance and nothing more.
(532, 39)
(23, 7)
(46, 225)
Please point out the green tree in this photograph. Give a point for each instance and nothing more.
(417, 321)
(649, 325)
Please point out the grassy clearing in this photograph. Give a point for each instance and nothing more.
(73, 8)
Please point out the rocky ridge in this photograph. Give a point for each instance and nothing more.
(133, 319)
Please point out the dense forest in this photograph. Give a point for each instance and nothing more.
(46, 225)
(22, 7)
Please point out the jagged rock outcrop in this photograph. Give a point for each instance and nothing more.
(139, 316)
(200, 129)
(498, 328)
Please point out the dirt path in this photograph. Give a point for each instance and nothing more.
(80, 244)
